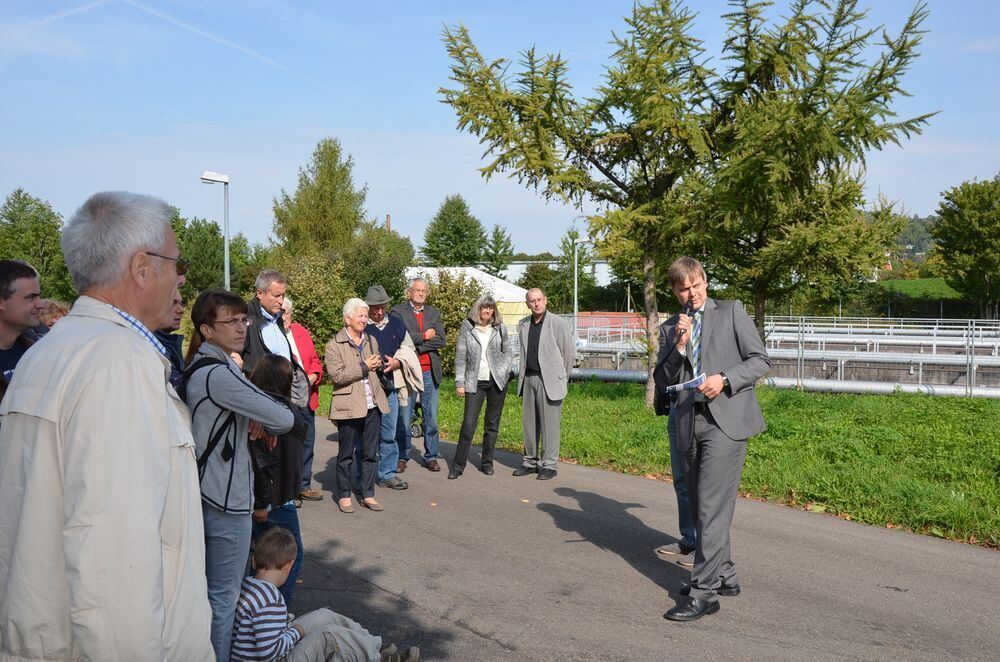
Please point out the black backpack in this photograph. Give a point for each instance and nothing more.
(230, 421)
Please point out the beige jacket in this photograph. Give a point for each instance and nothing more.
(346, 370)
(410, 376)
(102, 553)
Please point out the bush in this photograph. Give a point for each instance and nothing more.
(454, 294)
(318, 290)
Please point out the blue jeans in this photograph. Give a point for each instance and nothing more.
(429, 405)
(685, 519)
(286, 517)
(388, 450)
(227, 546)
(308, 443)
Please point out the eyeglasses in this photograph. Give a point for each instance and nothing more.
(180, 263)
(235, 323)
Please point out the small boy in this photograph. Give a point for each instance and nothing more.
(260, 632)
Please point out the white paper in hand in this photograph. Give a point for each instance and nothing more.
(688, 385)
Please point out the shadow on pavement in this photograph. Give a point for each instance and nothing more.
(608, 524)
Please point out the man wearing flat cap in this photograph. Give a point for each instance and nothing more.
(389, 331)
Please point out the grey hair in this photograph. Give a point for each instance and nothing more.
(268, 276)
(414, 281)
(288, 300)
(352, 305)
(107, 230)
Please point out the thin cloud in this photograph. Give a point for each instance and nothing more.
(987, 46)
(24, 37)
(211, 37)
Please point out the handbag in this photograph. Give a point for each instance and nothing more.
(384, 380)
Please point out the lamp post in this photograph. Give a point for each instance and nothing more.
(209, 177)
(576, 279)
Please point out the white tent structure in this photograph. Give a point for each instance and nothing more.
(510, 297)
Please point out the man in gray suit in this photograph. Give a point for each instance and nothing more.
(718, 339)
(547, 352)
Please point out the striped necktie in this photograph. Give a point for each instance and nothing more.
(696, 344)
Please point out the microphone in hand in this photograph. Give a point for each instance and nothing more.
(688, 311)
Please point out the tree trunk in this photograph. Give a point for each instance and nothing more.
(759, 309)
(652, 314)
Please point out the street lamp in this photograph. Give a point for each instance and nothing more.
(576, 302)
(209, 177)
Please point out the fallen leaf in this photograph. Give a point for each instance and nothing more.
(433, 504)
(525, 501)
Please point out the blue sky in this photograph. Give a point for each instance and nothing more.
(144, 96)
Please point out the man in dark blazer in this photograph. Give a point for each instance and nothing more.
(547, 353)
(426, 328)
(718, 339)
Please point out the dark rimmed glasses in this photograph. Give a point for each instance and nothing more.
(180, 263)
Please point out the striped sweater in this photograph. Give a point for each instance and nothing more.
(260, 629)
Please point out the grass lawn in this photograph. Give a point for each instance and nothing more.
(928, 464)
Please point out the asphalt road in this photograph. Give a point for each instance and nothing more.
(505, 568)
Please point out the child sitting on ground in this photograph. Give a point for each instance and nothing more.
(259, 630)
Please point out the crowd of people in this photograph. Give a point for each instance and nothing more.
(149, 496)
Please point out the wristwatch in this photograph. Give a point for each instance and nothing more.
(725, 380)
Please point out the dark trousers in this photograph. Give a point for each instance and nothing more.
(308, 444)
(363, 432)
(494, 397)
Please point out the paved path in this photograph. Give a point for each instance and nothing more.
(504, 568)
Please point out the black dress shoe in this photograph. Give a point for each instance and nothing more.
(546, 474)
(691, 610)
(486, 469)
(524, 471)
(453, 474)
(727, 590)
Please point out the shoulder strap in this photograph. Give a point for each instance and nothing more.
(229, 422)
(190, 370)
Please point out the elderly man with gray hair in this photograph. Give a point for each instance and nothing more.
(102, 552)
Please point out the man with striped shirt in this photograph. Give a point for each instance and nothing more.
(261, 632)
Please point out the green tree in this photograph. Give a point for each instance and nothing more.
(498, 252)
(454, 294)
(29, 231)
(380, 258)
(540, 275)
(326, 210)
(794, 109)
(968, 241)
(201, 242)
(319, 290)
(561, 295)
(916, 235)
(454, 237)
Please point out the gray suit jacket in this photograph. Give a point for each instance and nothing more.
(731, 345)
(432, 320)
(556, 351)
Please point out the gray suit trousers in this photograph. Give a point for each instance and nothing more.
(540, 418)
(713, 466)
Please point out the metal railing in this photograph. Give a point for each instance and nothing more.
(936, 356)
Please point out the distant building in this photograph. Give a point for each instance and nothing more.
(510, 297)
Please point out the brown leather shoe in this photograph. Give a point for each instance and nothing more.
(311, 495)
(432, 465)
(401, 466)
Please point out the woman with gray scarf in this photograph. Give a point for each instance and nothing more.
(483, 360)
